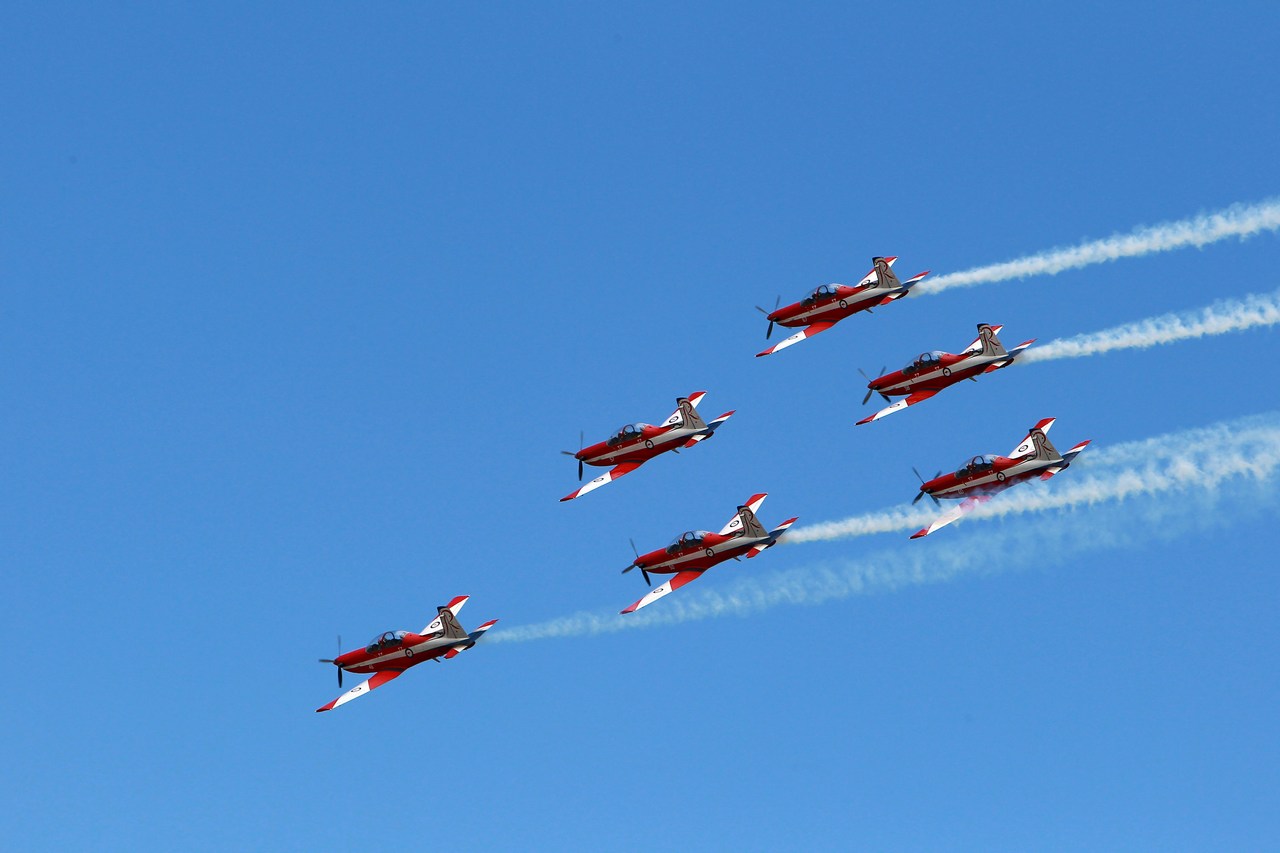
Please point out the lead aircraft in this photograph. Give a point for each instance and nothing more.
(389, 654)
(933, 371)
(982, 477)
(831, 303)
(635, 444)
(693, 552)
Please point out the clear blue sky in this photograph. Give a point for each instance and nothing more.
(301, 303)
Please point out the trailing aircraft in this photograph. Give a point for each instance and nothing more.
(983, 477)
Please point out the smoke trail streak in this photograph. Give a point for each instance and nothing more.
(1239, 220)
(1196, 459)
(1149, 515)
(1228, 315)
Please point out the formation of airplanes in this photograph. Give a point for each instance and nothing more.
(691, 554)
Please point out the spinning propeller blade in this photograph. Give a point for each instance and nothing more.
(776, 303)
(922, 492)
(335, 662)
(581, 443)
(636, 563)
(871, 390)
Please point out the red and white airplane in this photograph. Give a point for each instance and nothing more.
(391, 653)
(982, 477)
(831, 303)
(933, 371)
(635, 444)
(693, 552)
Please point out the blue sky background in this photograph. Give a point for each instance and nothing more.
(302, 302)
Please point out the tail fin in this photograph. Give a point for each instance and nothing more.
(472, 639)
(1037, 445)
(689, 417)
(685, 406)
(886, 278)
(749, 524)
(446, 621)
(990, 344)
(1043, 449)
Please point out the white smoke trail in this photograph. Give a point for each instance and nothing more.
(1228, 315)
(1149, 516)
(1194, 459)
(1239, 220)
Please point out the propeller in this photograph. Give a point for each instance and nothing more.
(581, 443)
(636, 564)
(922, 492)
(335, 663)
(871, 390)
(776, 303)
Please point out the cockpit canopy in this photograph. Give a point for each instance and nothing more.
(629, 432)
(688, 539)
(924, 361)
(821, 293)
(386, 640)
(976, 465)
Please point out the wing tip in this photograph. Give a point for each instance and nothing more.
(868, 419)
(919, 533)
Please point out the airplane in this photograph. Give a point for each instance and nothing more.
(693, 552)
(635, 444)
(933, 371)
(389, 654)
(982, 477)
(831, 303)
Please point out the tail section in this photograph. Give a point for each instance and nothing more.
(1012, 354)
(1067, 459)
(774, 535)
(686, 413)
(1037, 445)
(446, 622)
(749, 524)
(472, 639)
(710, 430)
(988, 343)
(886, 278)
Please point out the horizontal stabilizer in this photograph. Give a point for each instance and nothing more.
(774, 535)
(1075, 451)
(711, 428)
(472, 639)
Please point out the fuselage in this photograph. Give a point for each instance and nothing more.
(410, 650)
(925, 374)
(985, 475)
(642, 445)
(699, 555)
(842, 302)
